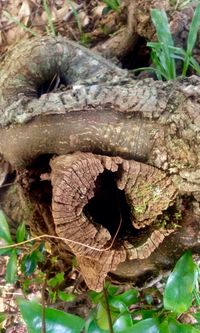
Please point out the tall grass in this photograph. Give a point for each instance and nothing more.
(76, 16)
(50, 27)
(163, 52)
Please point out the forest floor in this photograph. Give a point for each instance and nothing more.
(97, 26)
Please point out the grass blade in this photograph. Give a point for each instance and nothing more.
(160, 21)
(49, 18)
(191, 40)
(75, 13)
(11, 269)
(154, 45)
(20, 24)
(157, 59)
(194, 28)
(4, 229)
(194, 64)
(113, 4)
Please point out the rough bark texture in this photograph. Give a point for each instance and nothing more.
(104, 111)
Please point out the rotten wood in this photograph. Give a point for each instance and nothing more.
(76, 180)
(101, 110)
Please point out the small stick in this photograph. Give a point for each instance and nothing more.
(108, 310)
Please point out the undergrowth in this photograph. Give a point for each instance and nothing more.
(116, 309)
(50, 27)
(164, 54)
(113, 4)
(179, 4)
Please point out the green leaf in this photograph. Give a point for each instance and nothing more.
(3, 317)
(197, 316)
(52, 295)
(111, 289)
(180, 285)
(28, 264)
(171, 325)
(55, 320)
(150, 325)
(76, 15)
(65, 297)
(160, 21)
(149, 299)
(95, 296)
(49, 18)
(4, 229)
(191, 40)
(11, 269)
(30, 261)
(102, 318)
(123, 323)
(91, 325)
(196, 296)
(56, 280)
(113, 4)
(21, 233)
(93, 328)
(19, 23)
(129, 297)
(194, 28)
(145, 314)
(5, 252)
(194, 64)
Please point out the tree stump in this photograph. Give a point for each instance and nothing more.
(108, 163)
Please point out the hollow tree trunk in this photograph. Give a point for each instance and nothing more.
(141, 144)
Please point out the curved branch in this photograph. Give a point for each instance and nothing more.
(145, 120)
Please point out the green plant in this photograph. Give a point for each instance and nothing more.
(84, 37)
(20, 24)
(113, 309)
(112, 4)
(161, 54)
(179, 4)
(50, 29)
(55, 320)
(164, 54)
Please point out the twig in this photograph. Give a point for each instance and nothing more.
(43, 328)
(71, 12)
(108, 310)
(64, 239)
(7, 184)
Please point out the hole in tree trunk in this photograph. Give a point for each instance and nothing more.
(40, 190)
(52, 84)
(109, 206)
(138, 57)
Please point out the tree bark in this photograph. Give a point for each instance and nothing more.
(150, 130)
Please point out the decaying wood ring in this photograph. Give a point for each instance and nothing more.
(77, 179)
